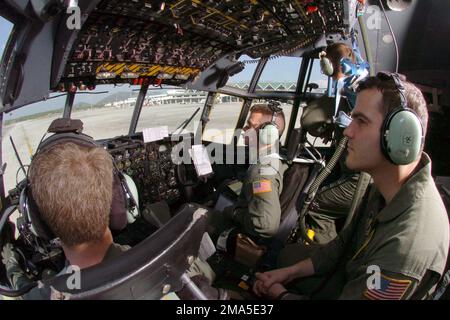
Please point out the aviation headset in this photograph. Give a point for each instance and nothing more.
(269, 131)
(347, 65)
(352, 64)
(325, 64)
(402, 131)
(124, 206)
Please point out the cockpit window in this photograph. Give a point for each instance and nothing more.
(242, 79)
(280, 74)
(5, 31)
(223, 119)
(26, 126)
(318, 78)
(106, 111)
(176, 108)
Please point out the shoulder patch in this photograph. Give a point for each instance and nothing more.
(262, 186)
(389, 289)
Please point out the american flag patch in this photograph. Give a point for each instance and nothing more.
(390, 289)
(262, 186)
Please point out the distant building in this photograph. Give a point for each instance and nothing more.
(267, 86)
(177, 97)
(180, 96)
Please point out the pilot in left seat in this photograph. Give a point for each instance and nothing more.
(72, 186)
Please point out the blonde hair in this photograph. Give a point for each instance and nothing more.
(72, 187)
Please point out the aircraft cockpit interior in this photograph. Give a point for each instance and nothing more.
(167, 88)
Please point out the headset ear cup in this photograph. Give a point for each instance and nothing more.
(326, 66)
(268, 134)
(402, 137)
(133, 211)
(118, 214)
(125, 203)
(32, 216)
(23, 207)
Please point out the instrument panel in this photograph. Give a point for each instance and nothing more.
(173, 41)
(151, 167)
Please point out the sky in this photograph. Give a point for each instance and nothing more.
(276, 70)
(5, 30)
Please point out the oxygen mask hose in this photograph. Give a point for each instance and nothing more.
(301, 221)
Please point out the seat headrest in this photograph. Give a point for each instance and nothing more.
(317, 116)
(143, 271)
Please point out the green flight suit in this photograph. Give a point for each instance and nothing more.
(257, 211)
(331, 203)
(404, 239)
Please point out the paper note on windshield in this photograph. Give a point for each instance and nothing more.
(201, 161)
(155, 134)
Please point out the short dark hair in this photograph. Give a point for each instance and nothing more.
(391, 96)
(265, 109)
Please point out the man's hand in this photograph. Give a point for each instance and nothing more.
(275, 291)
(10, 257)
(275, 278)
